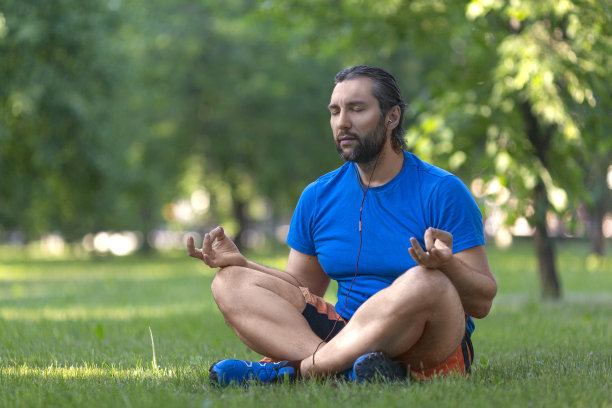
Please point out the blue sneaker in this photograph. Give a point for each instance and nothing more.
(240, 372)
(377, 366)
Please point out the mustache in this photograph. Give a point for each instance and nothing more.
(351, 134)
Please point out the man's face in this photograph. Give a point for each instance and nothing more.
(356, 121)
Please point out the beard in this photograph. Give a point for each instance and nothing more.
(366, 147)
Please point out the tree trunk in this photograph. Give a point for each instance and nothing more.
(596, 236)
(596, 213)
(545, 246)
(239, 209)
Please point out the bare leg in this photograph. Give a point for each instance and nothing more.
(419, 319)
(265, 312)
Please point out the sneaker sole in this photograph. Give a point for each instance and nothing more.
(378, 366)
(214, 380)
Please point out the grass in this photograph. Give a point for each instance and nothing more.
(76, 333)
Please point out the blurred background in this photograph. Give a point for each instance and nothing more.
(127, 124)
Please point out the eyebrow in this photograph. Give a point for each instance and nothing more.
(349, 104)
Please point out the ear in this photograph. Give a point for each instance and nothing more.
(393, 117)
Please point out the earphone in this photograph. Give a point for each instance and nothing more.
(365, 192)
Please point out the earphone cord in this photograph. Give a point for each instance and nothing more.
(358, 255)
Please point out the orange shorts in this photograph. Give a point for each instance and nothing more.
(326, 323)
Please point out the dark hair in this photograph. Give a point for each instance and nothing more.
(387, 92)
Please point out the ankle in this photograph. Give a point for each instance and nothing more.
(305, 368)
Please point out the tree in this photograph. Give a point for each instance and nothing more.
(554, 61)
(251, 111)
(79, 151)
(55, 88)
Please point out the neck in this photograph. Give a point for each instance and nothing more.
(382, 169)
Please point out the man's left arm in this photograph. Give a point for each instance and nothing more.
(468, 270)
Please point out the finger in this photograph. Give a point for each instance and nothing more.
(217, 234)
(429, 239)
(414, 255)
(418, 249)
(416, 252)
(190, 245)
(422, 258)
(191, 249)
(442, 235)
(207, 244)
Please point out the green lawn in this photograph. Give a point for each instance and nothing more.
(76, 333)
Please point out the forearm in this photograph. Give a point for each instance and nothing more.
(476, 286)
(284, 275)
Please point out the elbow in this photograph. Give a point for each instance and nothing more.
(483, 306)
(481, 310)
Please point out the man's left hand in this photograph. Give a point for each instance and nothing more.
(438, 249)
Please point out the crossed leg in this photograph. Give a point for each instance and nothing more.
(418, 319)
(265, 312)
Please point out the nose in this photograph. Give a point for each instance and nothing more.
(342, 120)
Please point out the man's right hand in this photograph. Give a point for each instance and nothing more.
(218, 250)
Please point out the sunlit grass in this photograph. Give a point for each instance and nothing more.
(112, 313)
(85, 372)
(76, 333)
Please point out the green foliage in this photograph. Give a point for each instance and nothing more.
(256, 112)
(555, 58)
(75, 333)
(55, 88)
(76, 152)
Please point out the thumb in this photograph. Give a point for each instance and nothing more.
(442, 235)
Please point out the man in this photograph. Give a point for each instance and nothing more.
(403, 239)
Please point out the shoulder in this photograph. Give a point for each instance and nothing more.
(425, 169)
(329, 180)
(435, 182)
(430, 179)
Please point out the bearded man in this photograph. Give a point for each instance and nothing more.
(403, 239)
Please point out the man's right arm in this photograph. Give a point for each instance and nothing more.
(301, 270)
(219, 251)
(308, 272)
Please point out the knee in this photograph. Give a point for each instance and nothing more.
(429, 286)
(225, 283)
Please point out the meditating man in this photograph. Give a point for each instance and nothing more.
(403, 239)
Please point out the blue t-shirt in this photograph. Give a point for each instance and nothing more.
(326, 224)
